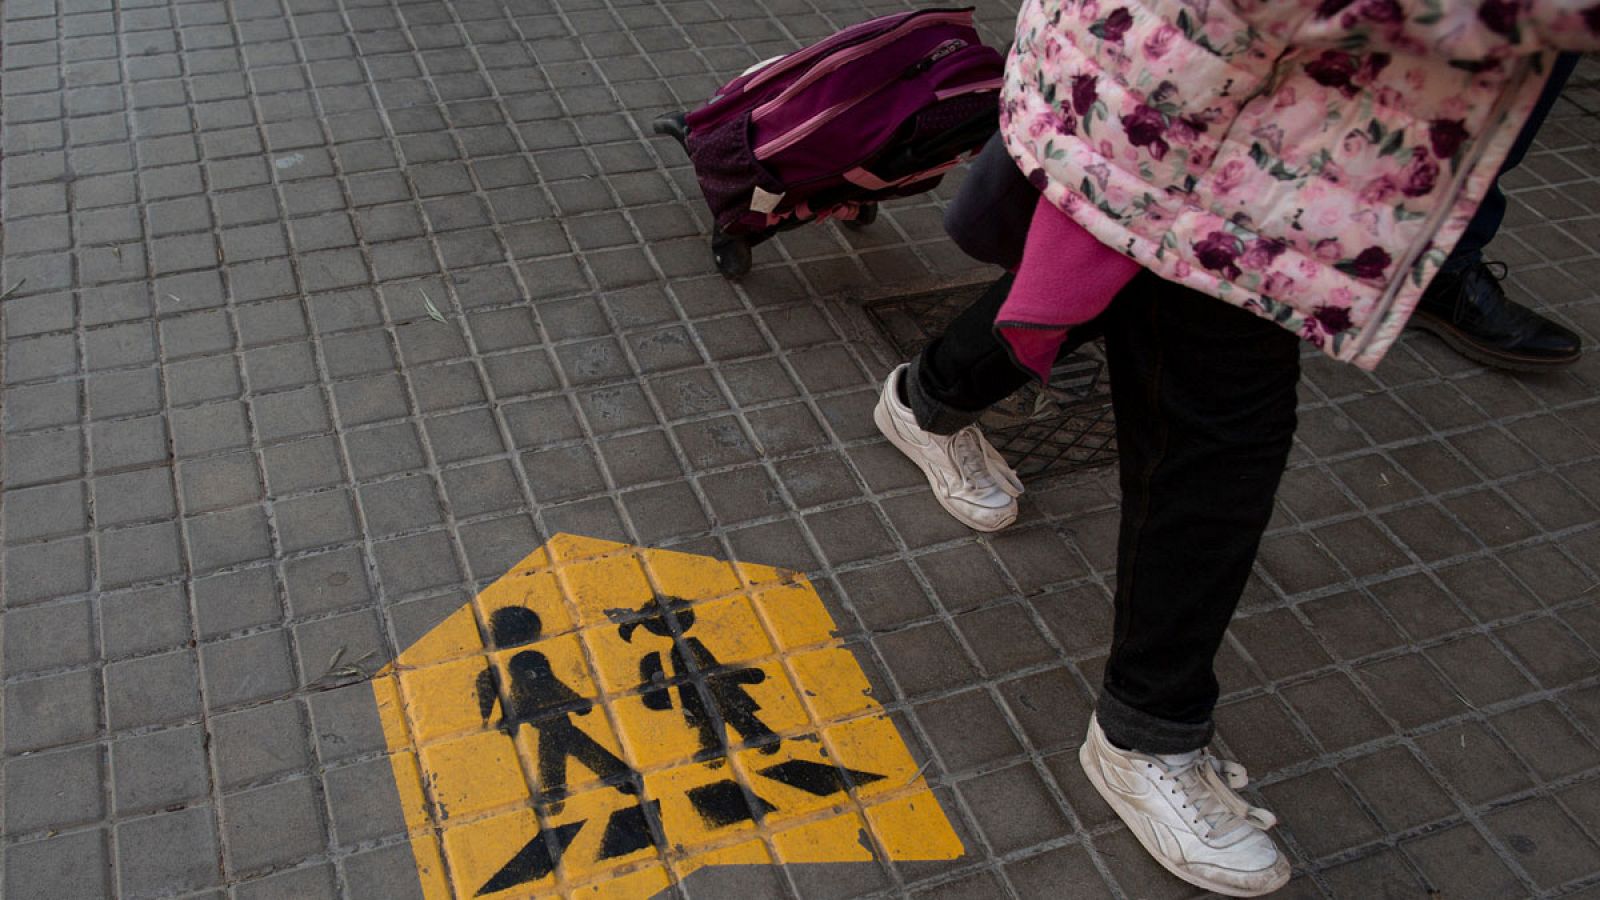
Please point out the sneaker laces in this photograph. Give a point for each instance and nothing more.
(980, 466)
(1209, 784)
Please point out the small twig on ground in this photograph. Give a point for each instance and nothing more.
(433, 311)
(920, 772)
(1043, 405)
(13, 289)
(353, 670)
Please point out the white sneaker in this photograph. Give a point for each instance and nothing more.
(1184, 811)
(968, 476)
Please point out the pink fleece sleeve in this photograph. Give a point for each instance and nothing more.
(1067, 277)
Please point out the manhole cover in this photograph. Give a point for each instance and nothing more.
(1066, 427)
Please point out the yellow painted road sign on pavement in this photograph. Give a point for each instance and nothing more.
(604, 720)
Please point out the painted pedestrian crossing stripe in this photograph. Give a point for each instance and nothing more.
(604, 720)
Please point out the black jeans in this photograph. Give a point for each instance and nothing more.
(1204, 395)
(1486, 221)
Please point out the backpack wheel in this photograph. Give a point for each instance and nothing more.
(732, 255)
(674, 125)
(866, 215)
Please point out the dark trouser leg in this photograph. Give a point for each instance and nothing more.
(965, 370)
(990, 215)
(1486, 222)
(1205, 397)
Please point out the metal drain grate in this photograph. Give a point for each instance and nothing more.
(1066, 427)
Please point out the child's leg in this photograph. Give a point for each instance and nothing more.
(963, 371)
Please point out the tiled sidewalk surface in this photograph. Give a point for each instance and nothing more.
(235, 440)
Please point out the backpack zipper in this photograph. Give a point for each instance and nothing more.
(855, 53)
(805, 129)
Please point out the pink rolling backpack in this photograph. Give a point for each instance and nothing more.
(881, 109)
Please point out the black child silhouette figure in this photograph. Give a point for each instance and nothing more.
(537, 698)
(723, 685)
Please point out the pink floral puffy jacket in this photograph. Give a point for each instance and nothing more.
(1313, 161)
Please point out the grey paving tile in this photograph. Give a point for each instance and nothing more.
(235, 601)
(326, 582)
(45, 512)
(117, 394)
(1013, 809)
(260, 743)
(1353, 626)
(664, 512)
(406, 504)
(55, 790)
(1547, 739)
(64, 867)
(152, 690)
(482, 488)
(381, 874)
(457, 437)
(218, 540)
(247, 669)
(1401, 793)
(316, 521)
(219, 482)
(207, 429)
(158, 770)
(303, 465)
(1460, 860)
(128, 443)
(51, 711)
(494, 546)
(354, 640)
(385, 450)
(138, 554)
(40, 358)
(1050, 706)
(967, 730)
(1057, 872)
(290, 414)
(1544, 841)
(344, 724)
(1005, 639)
(1260, 735)
(167, 853)
(273, 826)
(39, 458)
(365, 805)
(32, 407)
(412, 564)
(57, 635)
(1474, 762)
(850, 534)
(142, 621)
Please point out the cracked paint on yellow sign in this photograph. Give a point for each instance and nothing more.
(604, 720)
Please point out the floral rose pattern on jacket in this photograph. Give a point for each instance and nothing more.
(1310, 160)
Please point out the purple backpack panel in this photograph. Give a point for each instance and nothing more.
(881, 109)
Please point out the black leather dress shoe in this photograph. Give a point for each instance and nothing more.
(1470, 312)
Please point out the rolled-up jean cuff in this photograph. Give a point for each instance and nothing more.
(1134, 730)
(932, 414)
